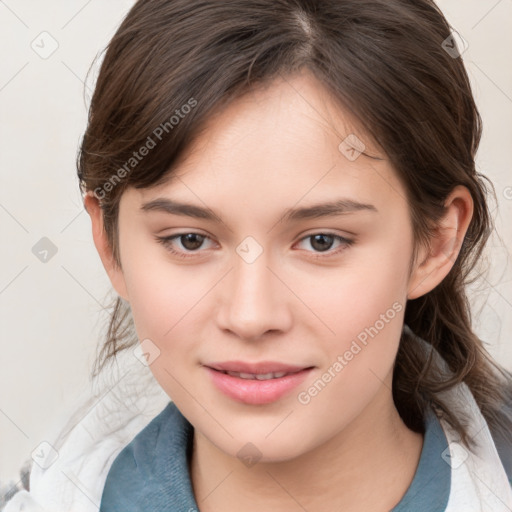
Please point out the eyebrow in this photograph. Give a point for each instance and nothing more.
(332, 208)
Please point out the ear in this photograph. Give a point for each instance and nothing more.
(114, 271)
(435, 261)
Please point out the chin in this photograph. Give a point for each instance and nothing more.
(256, 449)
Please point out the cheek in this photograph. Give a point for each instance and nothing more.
(362, 303)
(168, 308)
(358, 358)
(162, 294)
(163, 302)
(371, 281)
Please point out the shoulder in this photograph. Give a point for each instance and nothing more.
(503, 443)
(152, 468)
(141, 451)
(21, 502)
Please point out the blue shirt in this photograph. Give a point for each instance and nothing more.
(152, 471)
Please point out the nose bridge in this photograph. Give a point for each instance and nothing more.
(253, 300)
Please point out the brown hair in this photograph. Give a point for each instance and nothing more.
(385, 62)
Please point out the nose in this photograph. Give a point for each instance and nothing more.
(254, 300)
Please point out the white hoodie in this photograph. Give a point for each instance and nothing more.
(109, 420)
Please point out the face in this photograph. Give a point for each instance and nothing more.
(257, 270)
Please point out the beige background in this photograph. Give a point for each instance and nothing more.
(51, 313)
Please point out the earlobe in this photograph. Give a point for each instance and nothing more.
(435, 262)
(114, 271)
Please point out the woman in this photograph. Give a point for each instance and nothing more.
(284, 197)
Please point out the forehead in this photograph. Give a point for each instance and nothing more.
(296, 112)
(281, 144)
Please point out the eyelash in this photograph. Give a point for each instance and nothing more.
(166, 242)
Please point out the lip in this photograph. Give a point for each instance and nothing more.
(256, 368)
(257, 392)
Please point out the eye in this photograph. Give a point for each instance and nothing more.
(323, 242)
(189, 242)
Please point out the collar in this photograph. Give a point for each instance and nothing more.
(152, 472)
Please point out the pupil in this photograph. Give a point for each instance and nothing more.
(191, 241)
(322, 245)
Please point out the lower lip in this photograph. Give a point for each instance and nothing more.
(256, 392)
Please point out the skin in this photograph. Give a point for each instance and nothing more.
(277, 148)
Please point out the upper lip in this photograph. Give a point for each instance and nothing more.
(260, 368)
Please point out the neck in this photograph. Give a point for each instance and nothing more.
(369, 465)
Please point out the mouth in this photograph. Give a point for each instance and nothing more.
(260, 368)
(255, 376)
(256, 387)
